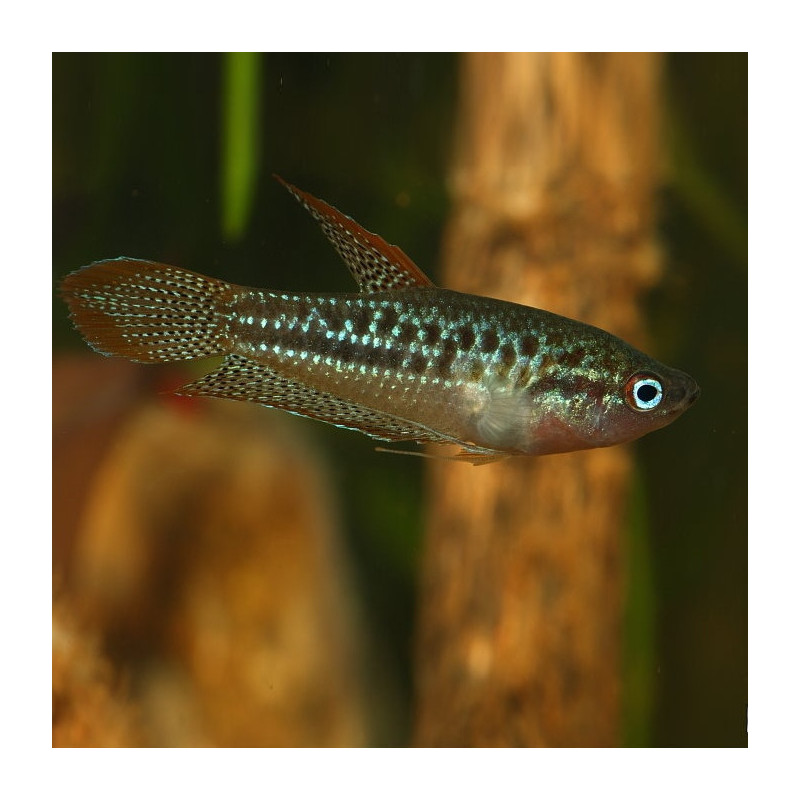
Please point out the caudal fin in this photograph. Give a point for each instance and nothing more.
(148, 312)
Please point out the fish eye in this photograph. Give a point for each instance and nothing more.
(643, 392)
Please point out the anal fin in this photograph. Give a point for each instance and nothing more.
(239, 378)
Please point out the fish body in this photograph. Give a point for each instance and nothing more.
(401, 359)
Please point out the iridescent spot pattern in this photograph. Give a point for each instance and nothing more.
(400, 360)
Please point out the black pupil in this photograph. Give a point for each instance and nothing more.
(647, 392)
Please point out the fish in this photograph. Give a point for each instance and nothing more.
(400, 360)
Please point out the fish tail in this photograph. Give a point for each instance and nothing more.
(148, 312)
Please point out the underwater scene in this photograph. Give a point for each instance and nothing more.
(227, 574)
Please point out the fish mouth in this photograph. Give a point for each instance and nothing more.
(684, 391)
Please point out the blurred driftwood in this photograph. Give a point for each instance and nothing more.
(91, 706)
(519, 627)
(205, 573)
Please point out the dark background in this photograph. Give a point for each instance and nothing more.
(146, 150)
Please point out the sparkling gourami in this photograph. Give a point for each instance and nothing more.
(401, 359)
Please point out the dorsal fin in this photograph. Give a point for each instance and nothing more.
(376, 265)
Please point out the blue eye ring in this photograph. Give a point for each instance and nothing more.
(644, 391)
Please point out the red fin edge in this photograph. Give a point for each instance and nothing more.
(376, 265)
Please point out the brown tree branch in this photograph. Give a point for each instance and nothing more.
(519, 626)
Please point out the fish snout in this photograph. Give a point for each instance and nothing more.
(684, 391)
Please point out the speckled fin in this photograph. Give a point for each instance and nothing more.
(240, 378)
(376, 265)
